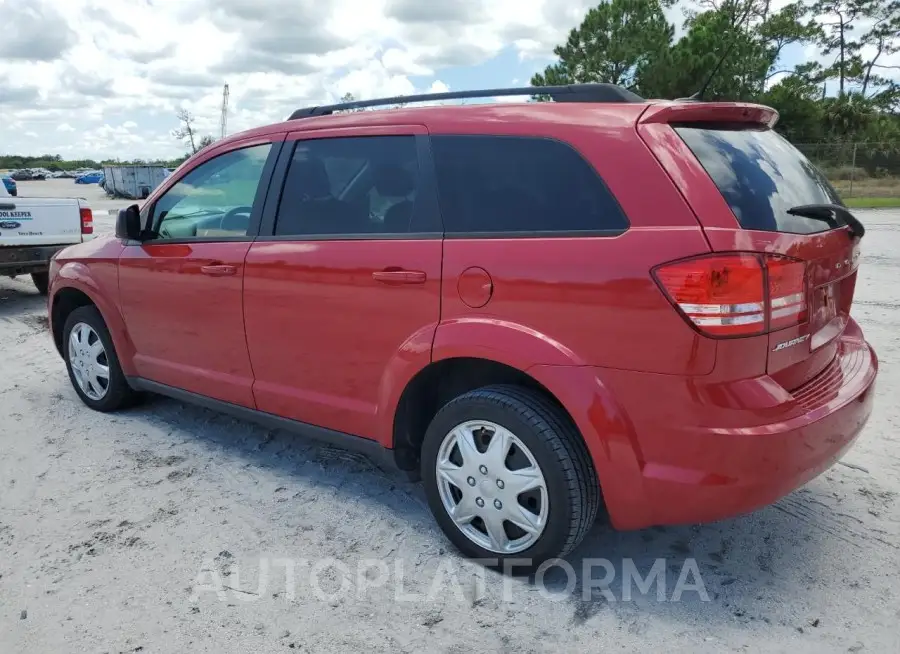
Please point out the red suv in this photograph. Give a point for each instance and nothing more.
(527, 303)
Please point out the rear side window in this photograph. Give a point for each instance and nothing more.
(515, 185)
(761, 175)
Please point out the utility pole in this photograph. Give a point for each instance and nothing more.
(224, 122)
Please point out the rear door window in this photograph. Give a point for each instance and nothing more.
(345, 186)
(506, 185)
(761, 175)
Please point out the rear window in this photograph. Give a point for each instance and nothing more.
(497, 185)
(761, 176)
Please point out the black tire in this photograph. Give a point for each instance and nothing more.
(573, 489)
(41, 281)
(118, 393)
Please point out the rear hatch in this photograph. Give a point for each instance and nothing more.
(759, 202)
(40, 221)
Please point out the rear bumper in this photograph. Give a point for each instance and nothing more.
(21, 260)
(682, 452)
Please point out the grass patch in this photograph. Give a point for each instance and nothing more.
(873, 202)
(884, 187)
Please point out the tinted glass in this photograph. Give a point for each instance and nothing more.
(350, 186)
(214, 199)
(761, 176)
(501, 184)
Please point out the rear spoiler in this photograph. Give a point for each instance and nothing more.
(708, 112)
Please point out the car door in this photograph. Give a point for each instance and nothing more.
(181, 286)
(344, 280)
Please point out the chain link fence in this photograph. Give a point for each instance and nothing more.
(858, 170)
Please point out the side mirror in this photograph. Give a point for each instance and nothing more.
(128, 223)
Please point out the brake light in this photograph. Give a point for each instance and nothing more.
(739, 294)
(87, 221)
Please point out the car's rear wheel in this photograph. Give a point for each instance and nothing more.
(41, 280)
(92, 362)
(508, 477)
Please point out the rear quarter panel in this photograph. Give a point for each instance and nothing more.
(587, 301)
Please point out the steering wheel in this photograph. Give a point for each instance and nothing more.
(232, 214)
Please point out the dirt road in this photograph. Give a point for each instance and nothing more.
(169, 528)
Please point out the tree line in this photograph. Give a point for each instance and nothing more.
(55, 162)
(846, 92)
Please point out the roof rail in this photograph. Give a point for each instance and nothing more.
(567, 93)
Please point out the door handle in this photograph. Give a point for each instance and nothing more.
(218, 270)
(399, 276)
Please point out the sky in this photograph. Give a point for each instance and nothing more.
(105, 78)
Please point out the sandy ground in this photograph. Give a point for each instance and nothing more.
(169, 528)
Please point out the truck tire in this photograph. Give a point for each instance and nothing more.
(42, 281)
(529, 499)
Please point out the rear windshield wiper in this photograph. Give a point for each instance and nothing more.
(830, 213)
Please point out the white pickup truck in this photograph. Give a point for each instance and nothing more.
(32, 230)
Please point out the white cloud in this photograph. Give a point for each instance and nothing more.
(89, 82)
(75, 70)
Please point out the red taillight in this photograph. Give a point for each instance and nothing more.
(737, 294)
(87, 221)
(787, 292)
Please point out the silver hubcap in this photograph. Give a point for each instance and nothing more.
(88, 360)
(492, 487)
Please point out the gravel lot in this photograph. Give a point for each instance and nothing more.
(117, 530)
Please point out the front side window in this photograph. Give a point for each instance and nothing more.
(350, 186)
(214, 199)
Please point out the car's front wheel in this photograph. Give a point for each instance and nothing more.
(508, 477)
(92, 362)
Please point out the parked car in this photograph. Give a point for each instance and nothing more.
(9, 184)
(522, 303)
(93, 177)
(32, 174)
(22, 175)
